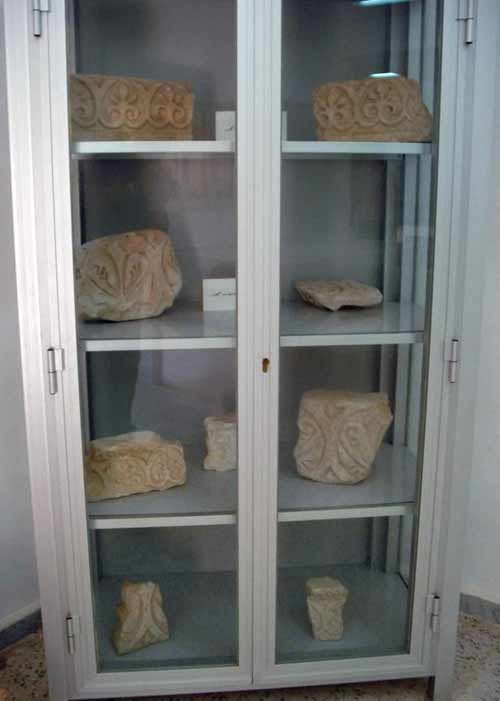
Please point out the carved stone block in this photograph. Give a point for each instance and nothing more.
(376, 109)
(105, 107)
(133, 463)
(141, 618)
(325, 602)
(340, 434)
(221, 435)
(335, 294)
(127, 276)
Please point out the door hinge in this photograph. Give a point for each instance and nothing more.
(434, 612)
(452, 360)
(55, 364)
(467, 15)
(71, 631)
(39, 7)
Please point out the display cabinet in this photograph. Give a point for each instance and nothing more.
(244, 263)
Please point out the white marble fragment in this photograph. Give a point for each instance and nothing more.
(127, 276)
(325, 602)
(340, 434)
(133, 463)
(141, 618)
(221, 439)
(334, 294)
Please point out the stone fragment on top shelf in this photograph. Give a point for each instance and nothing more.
(141, 618)
(119, 108)
(334, 294)
(340, 434)
(127, 276)
(221, 441)
(132, 463)
(326, 598)
(375, 109)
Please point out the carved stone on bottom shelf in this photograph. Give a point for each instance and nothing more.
(221, 437)
(376, 109)
(334, 294)
(340, 434)
(127, 276)
(133, 463)
(141, 618)
(122, 108)
(325, 602)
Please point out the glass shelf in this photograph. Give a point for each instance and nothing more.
(193, 601)
(152, 149)
(334, 149)
(389, 491)
(375, 614)
(207, 498)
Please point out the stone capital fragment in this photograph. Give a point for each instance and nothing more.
(326, 598)
(334, 294)
(376, 109)
(118, 108)
(340, 434)
(127, 276)
(141, 618)
(133, 463)
(221, 439)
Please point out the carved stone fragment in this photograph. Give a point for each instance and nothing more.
(105, 107)
(376, 109)
(340, 434)
(334, 294)
(221, 435)
(133, 463)
(127, 276)
(325, 602)
(141, 618)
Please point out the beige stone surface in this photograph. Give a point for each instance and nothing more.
(334, 294)
(340, 434)
(133, 463)
(376, 109)
(106, 107)
(221, 441)
(141, 618)
(127, 276)
(325, 602)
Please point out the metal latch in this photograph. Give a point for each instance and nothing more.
(55, 364)
(71, 630)
(453, 360)
(434, 610)
(467, 15)
(38, 7)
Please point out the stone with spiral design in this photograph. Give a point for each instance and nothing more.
(141, 618)
(326, 598)
(105, 107)
(127, 276)
(340, 434)
(376, 109)
(132, 463)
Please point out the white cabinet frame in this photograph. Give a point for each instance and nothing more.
(37, 93)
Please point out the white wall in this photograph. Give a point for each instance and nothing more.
(18, 581)
(482, 549)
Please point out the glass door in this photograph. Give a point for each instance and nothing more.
(153, 93)
(359, 86)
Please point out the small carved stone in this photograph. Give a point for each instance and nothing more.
(133, 463)
(334, 294)
(377, 109)
(127, 276)
(221, 443)
(340, 434)
(105, 107)
(325, 601)
(141, 618)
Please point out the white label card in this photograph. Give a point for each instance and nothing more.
(219, 294)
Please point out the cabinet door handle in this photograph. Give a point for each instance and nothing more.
(265, 365)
